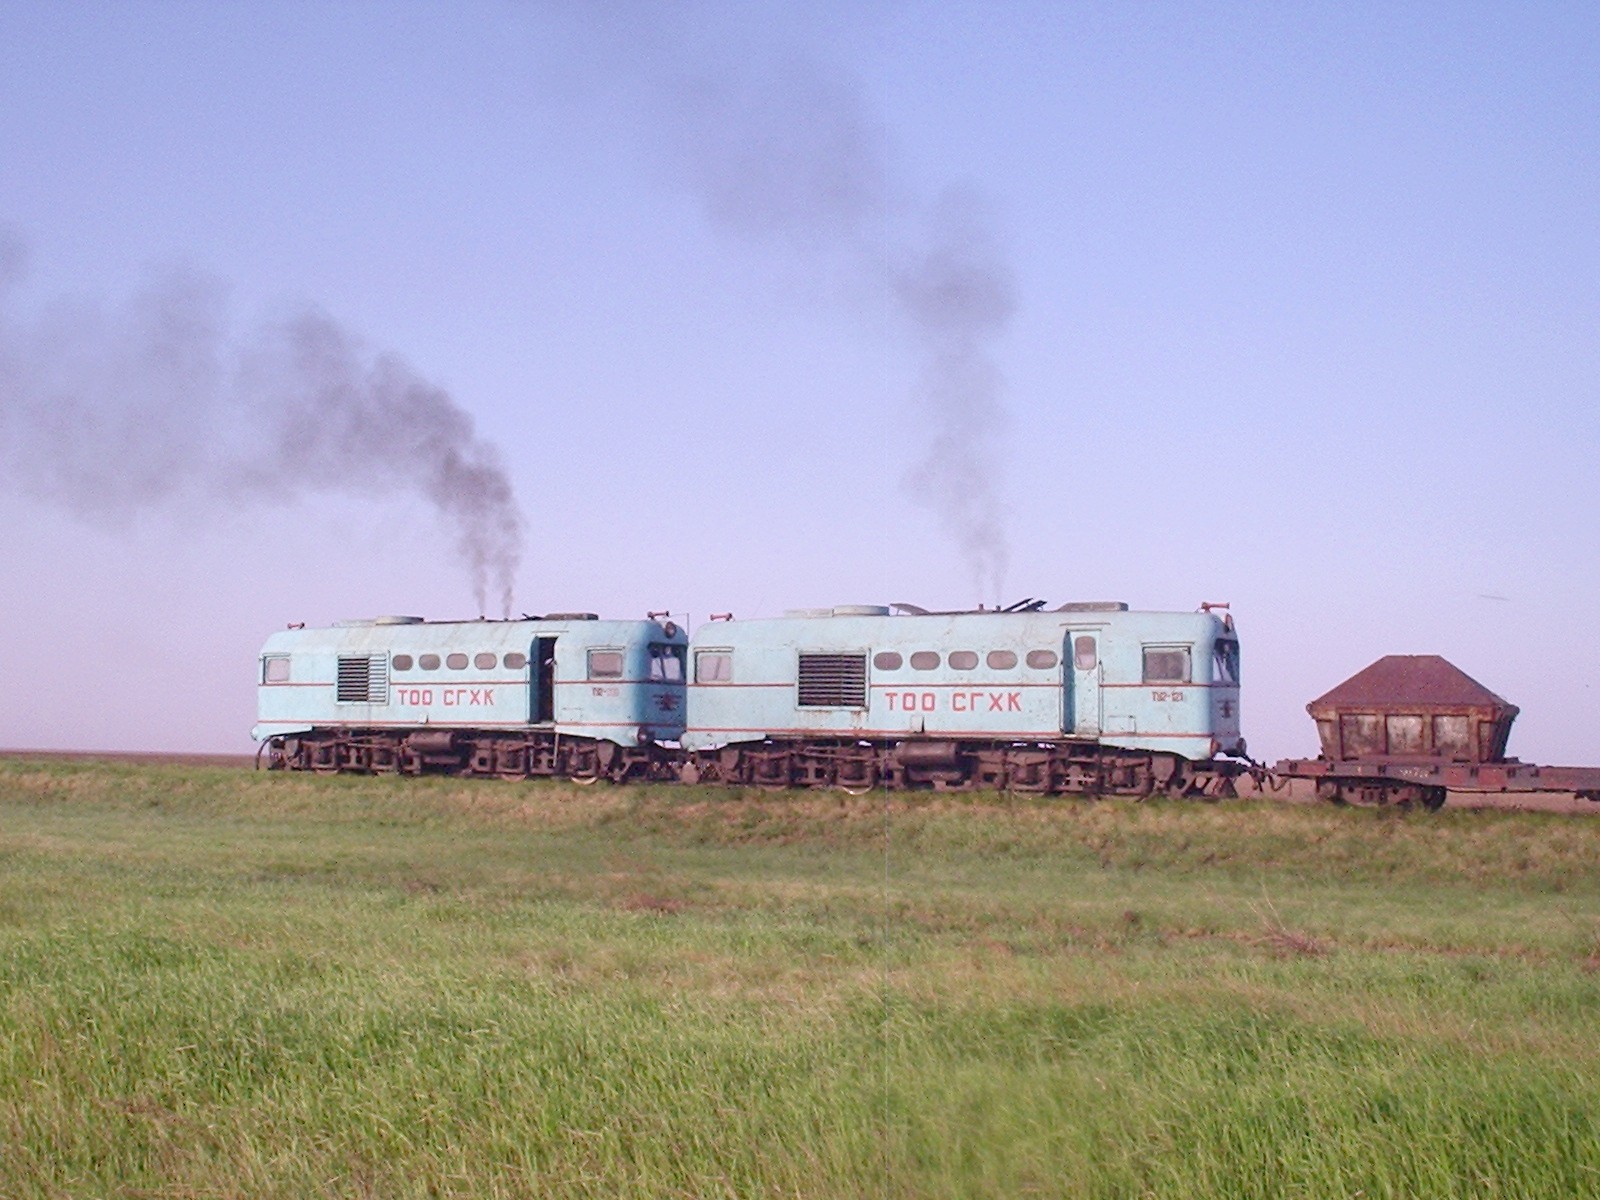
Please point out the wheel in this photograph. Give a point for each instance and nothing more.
(857, 775)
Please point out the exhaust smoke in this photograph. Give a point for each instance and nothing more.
(792, 156)
(160, 404)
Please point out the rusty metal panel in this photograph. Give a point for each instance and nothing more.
(1361, 735)
(1451, 735)
(1404, 733)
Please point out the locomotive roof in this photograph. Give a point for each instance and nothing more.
(361, 636)
(1399, 680)
(863, 621)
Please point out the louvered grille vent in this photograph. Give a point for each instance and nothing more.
(363, 680)
(833, 681)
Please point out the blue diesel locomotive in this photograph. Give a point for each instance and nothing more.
(565, 694)
(1084, 698)
(1087, 698)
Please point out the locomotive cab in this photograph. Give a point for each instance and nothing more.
(1160, 680)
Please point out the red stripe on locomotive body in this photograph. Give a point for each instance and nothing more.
(1009, 735)
(615, 682)
(908, 685)
(970, 685)
(1169, 686)
(717, 684)
(543, 725)
(365, 724)
(918, 684)
(432, 680)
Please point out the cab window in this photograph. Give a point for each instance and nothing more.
(713, 666)
(275, 669)
(666, 662)
(605, 664)
(1227, 662)
(1166, 664)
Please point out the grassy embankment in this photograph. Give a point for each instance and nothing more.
(214, 983)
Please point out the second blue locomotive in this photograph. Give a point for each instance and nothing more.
(1086, 698)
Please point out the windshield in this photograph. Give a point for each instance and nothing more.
(666, 662)
(1227, 662)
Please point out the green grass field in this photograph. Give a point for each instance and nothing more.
(222, 984)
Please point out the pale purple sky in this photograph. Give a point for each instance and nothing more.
(1292, 306)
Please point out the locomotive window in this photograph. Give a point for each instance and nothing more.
(605, 664)
(963, 660)
(1227, 663)
(1001, 660)
(925, 660)
(888, 660)
(713, 666)
(429, 662)
(1085, 654)
(1043, 660)
(515, 661)
(1166, 664)
(456, 662)
(402, 662)
(275, 669)
(666, 662)
(484, 660)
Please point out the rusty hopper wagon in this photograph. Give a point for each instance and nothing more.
(1411, 728)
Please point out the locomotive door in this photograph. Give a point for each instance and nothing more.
(543, 661)
(1080, 709)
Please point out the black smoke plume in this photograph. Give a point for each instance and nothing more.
(790, 154)
(959, 299)
(160, 404)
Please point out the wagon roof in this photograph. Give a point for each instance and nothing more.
(1411, 679)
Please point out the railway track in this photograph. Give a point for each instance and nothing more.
(1564, 803)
